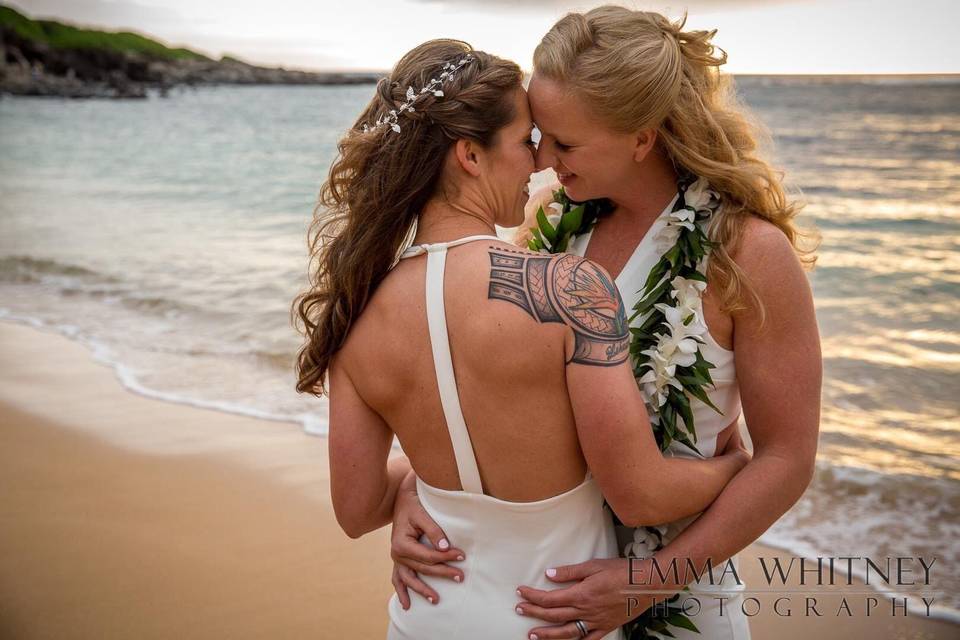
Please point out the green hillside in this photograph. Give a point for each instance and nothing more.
(63, 36)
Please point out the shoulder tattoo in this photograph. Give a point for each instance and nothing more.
(569, 290)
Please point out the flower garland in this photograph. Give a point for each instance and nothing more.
(665, 343)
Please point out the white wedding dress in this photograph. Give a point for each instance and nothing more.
(730, 623)
(507, 544)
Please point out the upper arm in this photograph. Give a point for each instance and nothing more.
(612, 422)
(359, 444)
(778, 358)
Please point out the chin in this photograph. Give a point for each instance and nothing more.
(579, 194)
(514, 223)
(574, 193)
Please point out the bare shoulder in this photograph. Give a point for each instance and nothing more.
(776, 276)
(764, 250)
(565, 289)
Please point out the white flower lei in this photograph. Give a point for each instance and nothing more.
(685, 325)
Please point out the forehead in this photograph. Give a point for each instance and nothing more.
(522, 105)
(556, 109)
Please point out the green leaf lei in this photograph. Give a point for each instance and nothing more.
(665, 345)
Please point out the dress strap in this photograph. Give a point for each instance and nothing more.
(443, 364)
(419, 249)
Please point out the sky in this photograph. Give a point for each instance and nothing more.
(760, 36)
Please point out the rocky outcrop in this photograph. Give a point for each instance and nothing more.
(31, 67)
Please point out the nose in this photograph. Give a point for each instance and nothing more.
(544, 158)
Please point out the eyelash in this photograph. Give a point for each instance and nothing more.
(562, 147)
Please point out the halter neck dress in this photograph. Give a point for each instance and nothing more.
(506, 543)
(732, 624)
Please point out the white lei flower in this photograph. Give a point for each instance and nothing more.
(645, 542)
(554, 218)
(685, 324)
(670, 233)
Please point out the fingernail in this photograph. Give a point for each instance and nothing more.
(519, 611)
(519, 594)
(430, 598)
(459, 557)
(457, 578)
(444, 544)
(551, 573)
(533, 636)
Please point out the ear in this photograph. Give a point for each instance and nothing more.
(645, 141)
(468, 154)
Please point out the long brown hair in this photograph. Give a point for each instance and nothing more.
(380, 182)
(638, 70)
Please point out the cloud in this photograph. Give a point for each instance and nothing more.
(104, 14)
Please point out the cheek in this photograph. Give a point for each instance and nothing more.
(595, 165)
(530, 159)
(522, 163)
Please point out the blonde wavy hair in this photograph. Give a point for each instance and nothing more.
(638, 70)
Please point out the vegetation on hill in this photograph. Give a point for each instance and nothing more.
(58, 35)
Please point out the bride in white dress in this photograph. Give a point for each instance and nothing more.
(459, 328)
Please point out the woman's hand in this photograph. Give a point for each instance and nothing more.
(733, 445)
(412, 557)
(596, 597)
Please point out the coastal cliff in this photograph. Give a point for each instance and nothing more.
(49, 58)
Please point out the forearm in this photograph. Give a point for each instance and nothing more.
(381, 513)
(756, 498)
(687, 487)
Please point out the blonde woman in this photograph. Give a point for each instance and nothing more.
(630, 105)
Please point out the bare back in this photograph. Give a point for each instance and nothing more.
(509, 368)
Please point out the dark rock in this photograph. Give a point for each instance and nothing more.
(33, 68)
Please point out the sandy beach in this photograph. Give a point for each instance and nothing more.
(123, 516)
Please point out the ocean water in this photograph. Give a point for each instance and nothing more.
(169, 235)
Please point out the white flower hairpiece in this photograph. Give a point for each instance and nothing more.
(390, 119)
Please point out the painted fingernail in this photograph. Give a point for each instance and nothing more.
(533, 636)
(551, 573)
(430, 598)
(519, 611)
(459, 557)
(457, 578)
(444, 544)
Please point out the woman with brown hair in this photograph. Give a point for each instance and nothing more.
(418, 340)
(632, 109)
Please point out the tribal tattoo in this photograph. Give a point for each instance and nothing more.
(567, 289)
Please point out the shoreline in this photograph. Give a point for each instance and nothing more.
(122, 515)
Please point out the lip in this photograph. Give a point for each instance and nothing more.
(565, 178)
